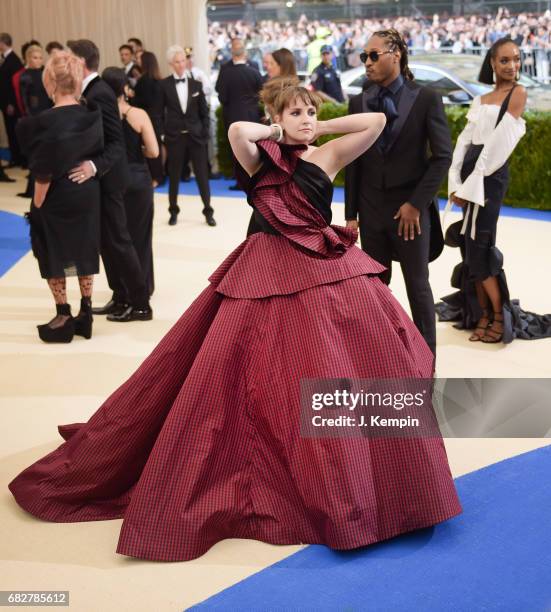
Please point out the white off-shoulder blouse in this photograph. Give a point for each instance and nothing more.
(499, 142)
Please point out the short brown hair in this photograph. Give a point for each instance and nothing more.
(63, 73)
(280, 92)
(87, 50)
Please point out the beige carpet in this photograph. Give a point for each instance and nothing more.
(42, 386)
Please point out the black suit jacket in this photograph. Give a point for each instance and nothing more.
(111, 164)
(238, 86)
(195, 120)
(416, 159)
(8, 68)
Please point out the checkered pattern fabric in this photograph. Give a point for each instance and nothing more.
(203, 442)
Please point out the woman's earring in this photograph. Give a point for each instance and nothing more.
(517, 78)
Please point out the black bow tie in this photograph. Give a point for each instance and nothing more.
(179, 80)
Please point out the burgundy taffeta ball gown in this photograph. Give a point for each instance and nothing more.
(203, 442)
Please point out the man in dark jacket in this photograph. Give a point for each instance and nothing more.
(130, 301)
(392, 187)
(8, 103)
(185, 132)
(238, 86)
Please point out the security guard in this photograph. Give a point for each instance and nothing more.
(325, 78)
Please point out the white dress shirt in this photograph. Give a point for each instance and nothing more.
(86, 80)
(182, 91)
(128, 67)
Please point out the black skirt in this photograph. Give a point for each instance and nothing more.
(65, 230)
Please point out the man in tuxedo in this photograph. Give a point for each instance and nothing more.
(238, 86)
(185, 132)
(130, 301)
(8, 103)
(392, 187)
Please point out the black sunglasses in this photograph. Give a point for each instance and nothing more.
(372, 55)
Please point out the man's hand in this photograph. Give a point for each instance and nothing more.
(352, 224)
(82, 173)
(458, 201)
(409, 221)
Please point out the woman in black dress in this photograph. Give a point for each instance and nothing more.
(140, 140)
(33, 95)
(64, 215)
(477, 182)
(148, 95)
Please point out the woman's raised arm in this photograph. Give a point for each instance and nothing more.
(360, 131)
(243, 136)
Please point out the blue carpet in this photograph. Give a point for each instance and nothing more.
(219, 188)
(14, 240)
(494, 556)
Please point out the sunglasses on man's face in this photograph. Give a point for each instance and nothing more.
(372, 55)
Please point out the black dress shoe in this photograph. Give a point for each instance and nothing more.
(131, 313)
(4, 178)
(234, 188)
(24, 194)
(210, 221)
(111, 307)
(173, 219)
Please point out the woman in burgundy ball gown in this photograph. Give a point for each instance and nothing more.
(203, 442)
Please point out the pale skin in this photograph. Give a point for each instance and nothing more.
(300, 126)
(272, 68)
(126, 56)
(35, 60)
(505, 65)
(383, 72)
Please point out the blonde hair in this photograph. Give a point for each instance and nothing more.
(32, 49)
(63, 74)
(280, 92)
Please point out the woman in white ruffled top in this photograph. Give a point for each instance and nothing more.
(478, 180)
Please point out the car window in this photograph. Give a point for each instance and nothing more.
(435, 80)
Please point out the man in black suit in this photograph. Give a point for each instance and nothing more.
(10, 65)
(130, 301)
(238, 86)
(185, 132)
(392, 186)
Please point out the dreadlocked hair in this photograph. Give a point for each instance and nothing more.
(396, 43)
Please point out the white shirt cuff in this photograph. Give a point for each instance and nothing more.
(472, 189)
(93, 167)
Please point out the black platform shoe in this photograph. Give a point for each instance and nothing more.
(83, 321)
(64, 333)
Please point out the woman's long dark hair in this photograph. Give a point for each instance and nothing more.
(150, 65)
(286, 61)
(486, 74)
(116, 79)
(395, 41)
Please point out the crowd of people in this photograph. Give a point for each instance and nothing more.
(475, 33)
(297, 300)
(131, 127)
(154, 126)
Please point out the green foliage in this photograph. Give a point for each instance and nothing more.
(530, 166)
